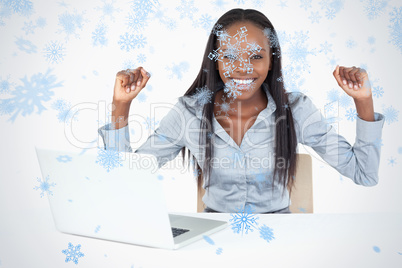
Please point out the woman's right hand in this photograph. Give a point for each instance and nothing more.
(128, 84)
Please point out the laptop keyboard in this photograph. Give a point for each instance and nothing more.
(178, 231)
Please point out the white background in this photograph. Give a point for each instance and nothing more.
(87, 74)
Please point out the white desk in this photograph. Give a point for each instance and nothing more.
(301, 240)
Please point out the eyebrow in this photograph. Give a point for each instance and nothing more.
(250, 50)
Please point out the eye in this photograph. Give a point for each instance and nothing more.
(256, 57)
(230, 57)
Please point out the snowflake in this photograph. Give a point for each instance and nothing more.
(54, 52)
(32, 93)
(293, 78)
(178, 69)
(21, 7)
(97, 229)
(244, 220)
(350, 43)
(258, 3)
(73, 253)
(396, 27)
(108, 9)
(330, 13)
(109, 159)
(65, 114)
(197, 172)
(378, 143)
(232, 56)
(141, 58)
(126, 42)
(144, 7)
(218, 251)
(232, 90)
(25, 45)
(170, 24)
(64, 158)
(240, 2)
(41, 22)
(378, 91)
(273, 38)
(261, 177)
(306, 4)
(151, 123)
(99, 36)
(374, 8)
(333, 95)
(44, 186)
(298, 50)
(137, 21)
(141, 97)
(351, 114)
(5, 12)
(219, 4)
(225, 107)
(303, 210)
(315, 17)
(6, 106)
(390, 114)
(5, 86)
(187, 9)
(282, 4)
(140, 41)
(371, 40)
(203, 95)
(326, 48)
(206, 22)
(392, 161)
(29, 27)
(345, 101)
(266, 233)
(70, 23)
(208, 240)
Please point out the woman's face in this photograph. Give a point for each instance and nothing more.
(244, 58)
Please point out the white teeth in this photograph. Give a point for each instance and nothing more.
(243, 81)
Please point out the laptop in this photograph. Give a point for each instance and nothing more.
(116, 196)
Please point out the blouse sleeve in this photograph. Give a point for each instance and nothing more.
(359, 162)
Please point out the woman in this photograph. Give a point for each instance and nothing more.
(242, 127)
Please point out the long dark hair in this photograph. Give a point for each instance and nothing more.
(285, 136)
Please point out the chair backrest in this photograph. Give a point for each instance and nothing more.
(302, 192)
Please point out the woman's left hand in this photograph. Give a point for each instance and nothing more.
(354, 81)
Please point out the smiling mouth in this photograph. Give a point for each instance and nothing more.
(247, 81)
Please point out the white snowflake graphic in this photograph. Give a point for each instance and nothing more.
(351, 114)
(65, 113)
(44, 186)
(390, 114)
(266, 233)
(73, 253)
(109, 159)
(31, 94)
(99, 36)
(244, 220)
(396, 27)
(71, 23)
(54, 52)
(64, 158)
(203, 95)
(224, 107)
(187, 9)
(25, 45)
(178, 70)
(374, 8)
